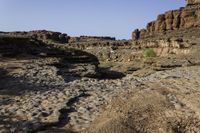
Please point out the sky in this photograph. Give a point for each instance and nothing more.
(116, 18)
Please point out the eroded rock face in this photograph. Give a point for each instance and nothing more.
(163, 47)
(183, 18)
(173, 32)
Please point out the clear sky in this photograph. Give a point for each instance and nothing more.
(117, 18)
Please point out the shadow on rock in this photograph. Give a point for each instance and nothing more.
(106, 73)
(41, 66)
(11, 85)
(32, 65)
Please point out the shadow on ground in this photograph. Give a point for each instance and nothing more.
(12, 125)
(72, 64)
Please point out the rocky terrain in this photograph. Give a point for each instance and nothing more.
(163, 102)
(51, 82)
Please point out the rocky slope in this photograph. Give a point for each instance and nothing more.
(43, 85)
(164, 102)
(51, 82)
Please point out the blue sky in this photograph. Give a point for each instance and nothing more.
(117, 18)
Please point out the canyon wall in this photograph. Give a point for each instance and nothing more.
(173, 32)
(184, 18)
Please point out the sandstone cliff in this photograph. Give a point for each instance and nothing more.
(183, 18)
(173, 32)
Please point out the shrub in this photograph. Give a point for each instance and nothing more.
(148, 53)
(104, 55)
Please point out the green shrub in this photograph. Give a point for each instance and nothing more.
(148, 53)
(104, 55)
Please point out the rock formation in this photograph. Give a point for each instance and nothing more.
(184, 18)
(172, 32)
(42, 35)
(90, 39)
(28, 46)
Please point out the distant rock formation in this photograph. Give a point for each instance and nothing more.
(42, 35)
(57, 37)
(90, 39)
(184, 18)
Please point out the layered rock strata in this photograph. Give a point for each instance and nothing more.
(173, 32)
(183, 18)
